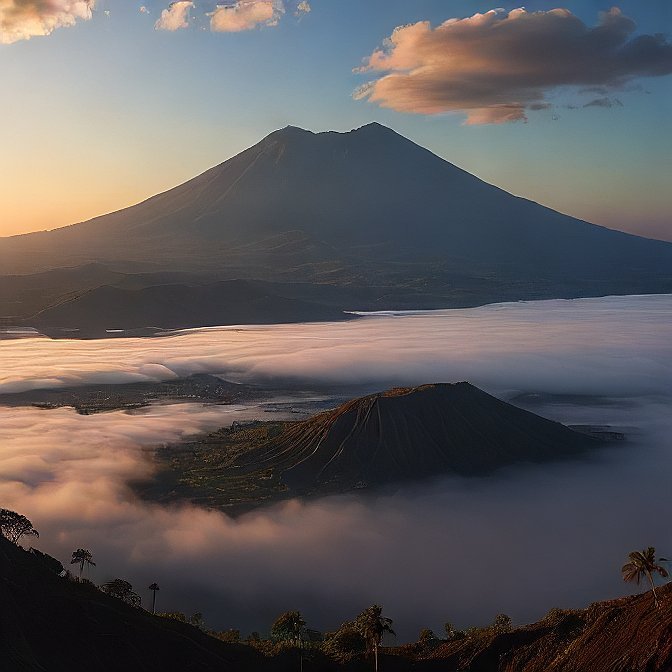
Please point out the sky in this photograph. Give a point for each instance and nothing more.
(107, 102)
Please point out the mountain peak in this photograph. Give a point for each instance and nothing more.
(289, 132)
(374, 127)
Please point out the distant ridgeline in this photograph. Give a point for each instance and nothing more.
(303, 226)
(397, 436)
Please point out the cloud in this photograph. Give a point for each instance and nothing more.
(246, 15)
(23, 19)
(495, 66)
(69, 474)
(143, 10)
(175, 17)
(604, 102)
(492, 346)
(303, 7)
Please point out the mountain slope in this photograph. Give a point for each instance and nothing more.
(393, 437)
(367, 204)
(50, 623)
(624, 635)
(178, 306)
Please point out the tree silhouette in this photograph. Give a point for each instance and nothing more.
(122, 590)
(154, 587)
(372, 625)
(81, 557)
(289, 627)
(644, 563)
(13, 526)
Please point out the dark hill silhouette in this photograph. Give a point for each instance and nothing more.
(383, 439)
(174, 306)
(339, 206)
(50, 623)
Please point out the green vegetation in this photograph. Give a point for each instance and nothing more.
(205, 471)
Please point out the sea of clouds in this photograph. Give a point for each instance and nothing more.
(522, 541)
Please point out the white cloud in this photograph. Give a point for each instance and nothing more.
(175, 17)
(246, 15)
(495, 66)
(23, 19)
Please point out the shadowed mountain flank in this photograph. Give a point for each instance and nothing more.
(392, 437)
(50, 623)
(175, 306)
(367, 210)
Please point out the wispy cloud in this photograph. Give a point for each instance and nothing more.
(495, 66)
(175, 17)
(604, 102)
(23, 19)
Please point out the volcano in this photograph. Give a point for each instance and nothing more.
(380, 440)
(362, 220)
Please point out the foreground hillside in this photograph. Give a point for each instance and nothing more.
(625, 635)
(400, 435)
(54, 624)
(48, 623)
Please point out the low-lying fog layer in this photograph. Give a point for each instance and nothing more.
(462, 550)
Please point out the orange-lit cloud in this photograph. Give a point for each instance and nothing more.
(245, 15)
(175, 17)
(497, 65)
(23, 19)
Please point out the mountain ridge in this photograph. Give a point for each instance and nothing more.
(358, 210)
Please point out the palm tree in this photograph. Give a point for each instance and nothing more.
(154, 587)
(644, 563)
(290, 627)
(372, 625)
(82, 556)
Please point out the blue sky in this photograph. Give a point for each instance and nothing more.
(109, 111)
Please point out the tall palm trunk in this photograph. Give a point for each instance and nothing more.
(153, 601)
(375, 655)
(653, 588)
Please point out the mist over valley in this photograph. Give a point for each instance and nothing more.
(421, 548)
